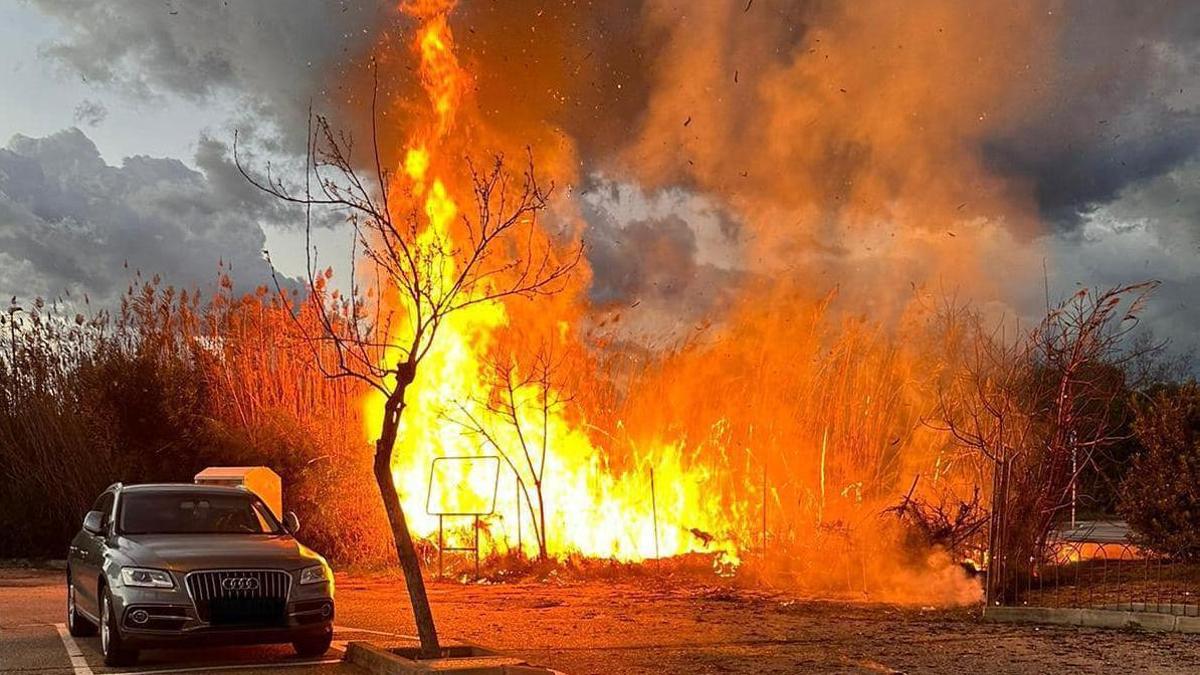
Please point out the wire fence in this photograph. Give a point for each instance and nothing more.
(1117, 576)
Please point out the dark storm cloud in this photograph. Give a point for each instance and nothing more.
(1111, 114)
(1112, 153)
(662, 261)
(1118, 108)
(644, 257)
(274, 55)
(1152, 230)
(70, 221)
(1122, 106)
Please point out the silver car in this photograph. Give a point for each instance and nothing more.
(179, 564)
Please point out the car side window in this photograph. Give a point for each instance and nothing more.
(104, 504)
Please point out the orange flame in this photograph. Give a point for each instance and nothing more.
(784, 427)
(590, 508)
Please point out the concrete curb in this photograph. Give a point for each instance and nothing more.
(383, 660)
(1094, 618)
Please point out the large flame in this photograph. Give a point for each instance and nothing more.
(591, 508)
(780, 429)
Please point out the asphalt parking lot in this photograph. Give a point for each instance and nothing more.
(627, 625)
(34, 640)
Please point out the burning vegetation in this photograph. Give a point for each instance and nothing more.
(772, 442)
(835, 420)
(775, 439)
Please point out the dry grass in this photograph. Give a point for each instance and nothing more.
(171, 383)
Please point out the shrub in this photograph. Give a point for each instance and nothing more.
(155, 394)
(1160, 496)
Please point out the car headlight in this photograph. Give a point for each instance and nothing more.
(315, 574)
(146, 578)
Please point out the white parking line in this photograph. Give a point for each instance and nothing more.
(78, 663)
(240, 666)
(377, 632)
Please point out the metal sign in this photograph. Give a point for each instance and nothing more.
(463, 486)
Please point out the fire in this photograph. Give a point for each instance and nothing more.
(416, 164)
(590, 508)
(439, 70)
(775, 433)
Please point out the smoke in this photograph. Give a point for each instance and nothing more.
(661, 262)
(851, 139)
(858, 105)
(847, 136)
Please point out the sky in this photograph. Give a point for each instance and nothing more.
(107, 118)
(44, 96)
(116, 121)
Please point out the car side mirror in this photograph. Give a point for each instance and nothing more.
(93, 522)
(291, 523)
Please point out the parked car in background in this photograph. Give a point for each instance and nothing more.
(179, 564)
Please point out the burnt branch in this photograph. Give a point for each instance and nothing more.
(423, 271)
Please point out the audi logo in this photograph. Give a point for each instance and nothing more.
(239, 584)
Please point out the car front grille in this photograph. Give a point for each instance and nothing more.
(240, 597)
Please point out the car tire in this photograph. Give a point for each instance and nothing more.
(313, 646)
(77, 624)
(112, 643)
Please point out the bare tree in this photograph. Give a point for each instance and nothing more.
(521, 401)
(1036, 408)
(420, 275)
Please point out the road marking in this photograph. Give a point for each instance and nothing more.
(339, 645)
(78, 663)
(266, 665)
(376, 632)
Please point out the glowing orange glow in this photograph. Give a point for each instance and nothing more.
(439, 70)
(778, 431)
(591, 508)
(416, 164)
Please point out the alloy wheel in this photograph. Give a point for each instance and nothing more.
(70, 604)
(104, 627)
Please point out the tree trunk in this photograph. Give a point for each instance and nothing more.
(405, 551)
(542, 550)
(998, 545)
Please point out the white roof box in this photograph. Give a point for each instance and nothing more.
(258, 479)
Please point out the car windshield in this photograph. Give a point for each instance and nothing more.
(192, 513)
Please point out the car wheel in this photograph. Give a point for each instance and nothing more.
(313, 646)
(77, 624)
(112, 644)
